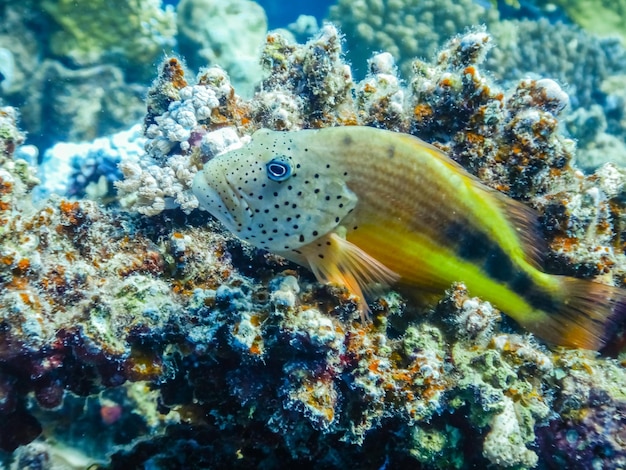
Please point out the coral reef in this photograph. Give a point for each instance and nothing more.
(88, 170)
(115, 32)
(596, 118)
(601, 18)
(407, 29)
(206, 37)
(569, 56)
(81, 72)
(182, 344)
(589, 67)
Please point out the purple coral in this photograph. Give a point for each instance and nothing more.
(594, 437)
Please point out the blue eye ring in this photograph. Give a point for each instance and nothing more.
(278, 169)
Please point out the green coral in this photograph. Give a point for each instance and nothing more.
(136, 31)
(436, 448)
(601, 17)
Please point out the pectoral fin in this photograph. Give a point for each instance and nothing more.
(334, 259)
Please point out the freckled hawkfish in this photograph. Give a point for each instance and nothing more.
(364, 207)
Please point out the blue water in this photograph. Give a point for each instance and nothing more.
(280, 13)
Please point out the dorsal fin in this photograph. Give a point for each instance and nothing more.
(524, 221)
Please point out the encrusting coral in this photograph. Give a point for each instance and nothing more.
(591, 68)
(250, 362)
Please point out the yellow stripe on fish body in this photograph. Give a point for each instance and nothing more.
(361, 207)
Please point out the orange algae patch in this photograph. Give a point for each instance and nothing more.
(256, 349)
(175, 73)
(144, 364)
(29, 299)
(564, 243)
(369, 88)
(422, 112)
(470, 71)
(22, 266)
(255, 320)
(71, 210)
(18, 283)
(55, 280)
(6, 187)
(475, 139)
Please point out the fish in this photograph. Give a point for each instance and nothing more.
(370, 209)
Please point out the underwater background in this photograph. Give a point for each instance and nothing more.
(136, 332)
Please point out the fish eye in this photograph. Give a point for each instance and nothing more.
(278, 168)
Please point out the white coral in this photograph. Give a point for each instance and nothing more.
(504, 446)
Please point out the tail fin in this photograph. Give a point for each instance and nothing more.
(588, 315)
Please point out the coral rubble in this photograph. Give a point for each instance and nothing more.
(185, 345)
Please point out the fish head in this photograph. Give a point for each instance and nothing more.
(277, 192)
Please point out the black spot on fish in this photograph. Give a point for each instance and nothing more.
(301, 238)
(470, 244)
(540, 300)
(391, 151)
(498, 265)
(347, 140)
(521, 283)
